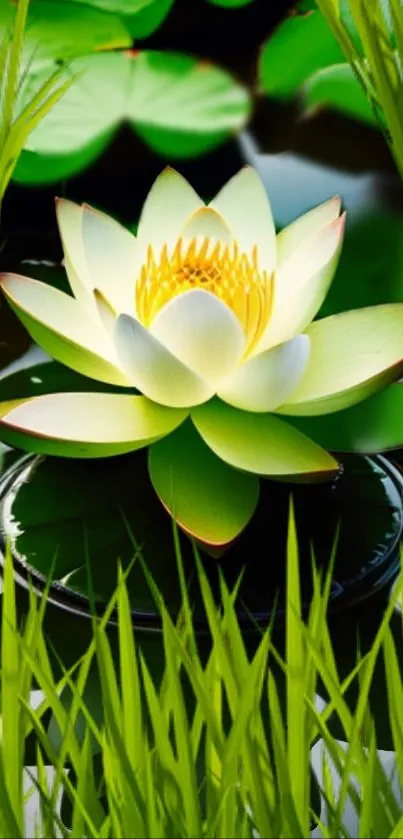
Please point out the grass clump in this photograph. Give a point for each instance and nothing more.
(219, 746)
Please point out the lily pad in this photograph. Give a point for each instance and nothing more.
(373, 425)
(230, 4)
(65, 29)
(301, 45)
(178, 104)
(145, 22)
(304, 57)
(120, 7)
(338, 88)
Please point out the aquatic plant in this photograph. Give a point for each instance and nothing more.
(207, 314)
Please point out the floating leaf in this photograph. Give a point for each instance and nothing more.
(178, 104)
(146, 21)
(33, 168)
(338, 88)
(300, 46)
(371, 426)
(65, 29)
(120, 7)
(230, 4)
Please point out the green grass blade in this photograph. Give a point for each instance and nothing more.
(11, 742)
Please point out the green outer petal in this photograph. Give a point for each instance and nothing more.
(86, 357)
(209, 499)
(85, 424)
(261, 443)
(353, 355)
(372, 426)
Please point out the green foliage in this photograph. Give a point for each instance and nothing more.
(325, 35)
(336, 87)
(204, 105)
(374, 49)
(65, 29)
(180, 106)
(147, 20)
(232, 760)
(230, 4)
(309, 41)
(18, 121)
(119, 6)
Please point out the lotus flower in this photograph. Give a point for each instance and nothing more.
(206, 319)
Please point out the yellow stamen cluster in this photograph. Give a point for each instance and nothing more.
(220, 269)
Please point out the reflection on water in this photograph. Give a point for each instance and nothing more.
(295, 185)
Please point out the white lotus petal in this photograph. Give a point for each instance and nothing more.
(246, 208)
(206, 223)
(201, 331)
(154, 370)
(295, 233)
(70, 219)
(111, 256)
(265, 382)
(85, 424)
(301, 284)
(105, 312)
(353, 354)
(168, 205)
(82, 293)
(63, 329)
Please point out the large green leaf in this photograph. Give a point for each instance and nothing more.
(207, 497)
(120, 7)
(180, 106)
(146, 21)
(371, 426)
(230, 4)
(34, 168)
(338, 88)
(300, 46)
(65, 29)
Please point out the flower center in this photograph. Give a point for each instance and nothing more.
(220, 269)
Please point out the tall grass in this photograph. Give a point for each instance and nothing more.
(376, 56)
(219, 747)
(17, 117)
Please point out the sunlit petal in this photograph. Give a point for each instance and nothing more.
(154, 370)
(266, 381)
(63, 329)
(301, 284)
(85, 424)
(168, 205)
(244, 205)
(201, 331)
(353, 355)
